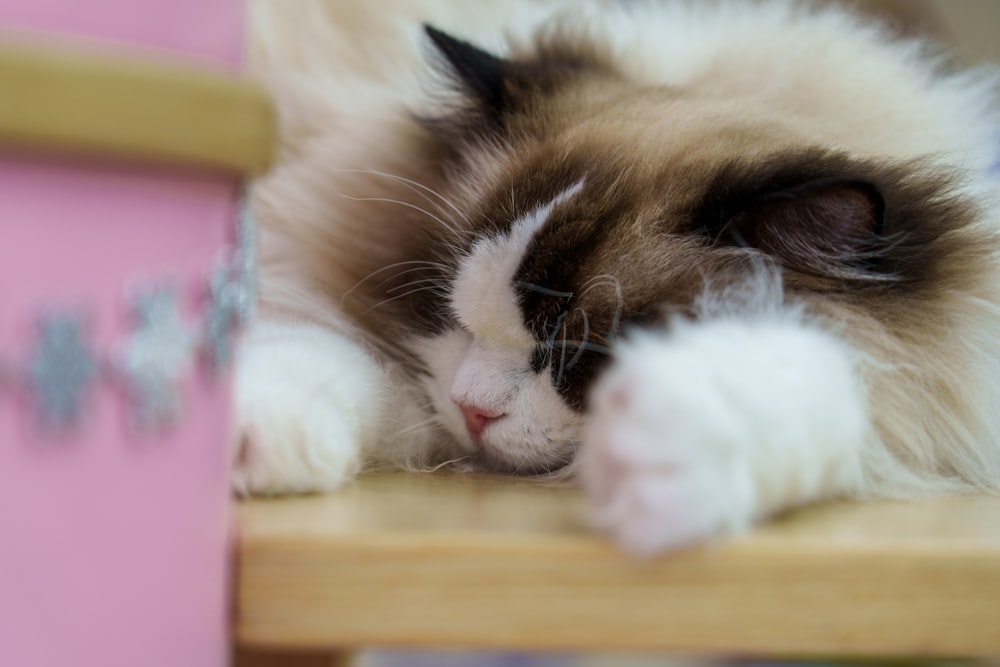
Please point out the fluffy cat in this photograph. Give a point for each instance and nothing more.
(713, 259)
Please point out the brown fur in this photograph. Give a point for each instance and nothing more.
(691, 191)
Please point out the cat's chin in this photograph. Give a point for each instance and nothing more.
(488, 460)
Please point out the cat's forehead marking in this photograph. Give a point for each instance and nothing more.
(483, 298)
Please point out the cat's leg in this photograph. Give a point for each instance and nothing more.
(699, 432)
(311, 404)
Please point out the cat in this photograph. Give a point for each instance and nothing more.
(712, 260)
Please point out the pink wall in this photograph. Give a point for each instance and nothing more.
(113, 544)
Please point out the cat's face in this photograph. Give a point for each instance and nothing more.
(588, 206)
(567, 249)
(500, 376)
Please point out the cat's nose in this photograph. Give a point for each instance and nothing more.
(477, 418)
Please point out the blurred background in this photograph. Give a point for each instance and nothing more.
(974, 25)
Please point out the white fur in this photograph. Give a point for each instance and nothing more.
(306, 400)
(699, 432)
(693, 433)
(313, 405)
(685, 42)
(481, 298)
(489, 365)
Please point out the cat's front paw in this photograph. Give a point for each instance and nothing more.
(661, 462)
(283, 447)
(697, 433)
(306, 400)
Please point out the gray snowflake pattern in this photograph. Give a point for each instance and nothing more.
(246, 260)
(62, 371)
(225, 314)
(232, 293)
(157, 355)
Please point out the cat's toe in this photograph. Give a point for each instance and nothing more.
(303, 401)
(294, 452)
(659, 462)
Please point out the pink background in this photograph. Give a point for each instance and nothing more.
(113, 547)
(209, 30)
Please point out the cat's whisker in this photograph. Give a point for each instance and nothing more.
(557, 467)
(417, 426)
(381, 303)
(423, 281)
(550, 341)
(403, 273)
(415, 186)
(448, 463)
(544, 290)
(587, 346)
(608, 280)
(562, 358)
(412, 262)
(423, 265)
(389, 200)
(590, 347)
(582, 347)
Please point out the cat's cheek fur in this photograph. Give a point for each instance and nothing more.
(538, 428)
(307, 401)
(442, 355)
(697, 433)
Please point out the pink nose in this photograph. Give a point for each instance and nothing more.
(477, 419)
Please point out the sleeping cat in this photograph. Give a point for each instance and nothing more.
(714, 260)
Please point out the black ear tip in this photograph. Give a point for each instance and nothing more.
(436, 35)
(453, 48)
(444, 42)
(477, 72)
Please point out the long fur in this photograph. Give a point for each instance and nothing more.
(688, 187)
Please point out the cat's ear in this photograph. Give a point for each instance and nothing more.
(826, 226)
(495, 90)
(480, 74)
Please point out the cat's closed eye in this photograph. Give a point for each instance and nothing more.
(826, 226)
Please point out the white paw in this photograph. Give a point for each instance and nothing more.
(304, 403)
(283, 448)
(698, 433)
(661, 461)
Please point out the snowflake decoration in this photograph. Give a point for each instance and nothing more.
(225, 313)
(157, 355)
(232, 294)
(246, 260)
(61, 371)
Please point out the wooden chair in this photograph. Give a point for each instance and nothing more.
(444, 560)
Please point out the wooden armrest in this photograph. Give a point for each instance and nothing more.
(464, 560)
(77, 100)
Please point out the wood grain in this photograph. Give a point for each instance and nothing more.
(471, 561)
(79, 100)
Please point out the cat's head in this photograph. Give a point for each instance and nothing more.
(584, 204)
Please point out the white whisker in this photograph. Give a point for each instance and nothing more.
(415, 185)
(582, 347)
(562, 358)
(447, 463)
(389, 200)
(424, 265)
(608, 280)
(403, 296)
(411, 283)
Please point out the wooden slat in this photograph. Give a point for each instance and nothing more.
(83, 101)
(469, 561)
